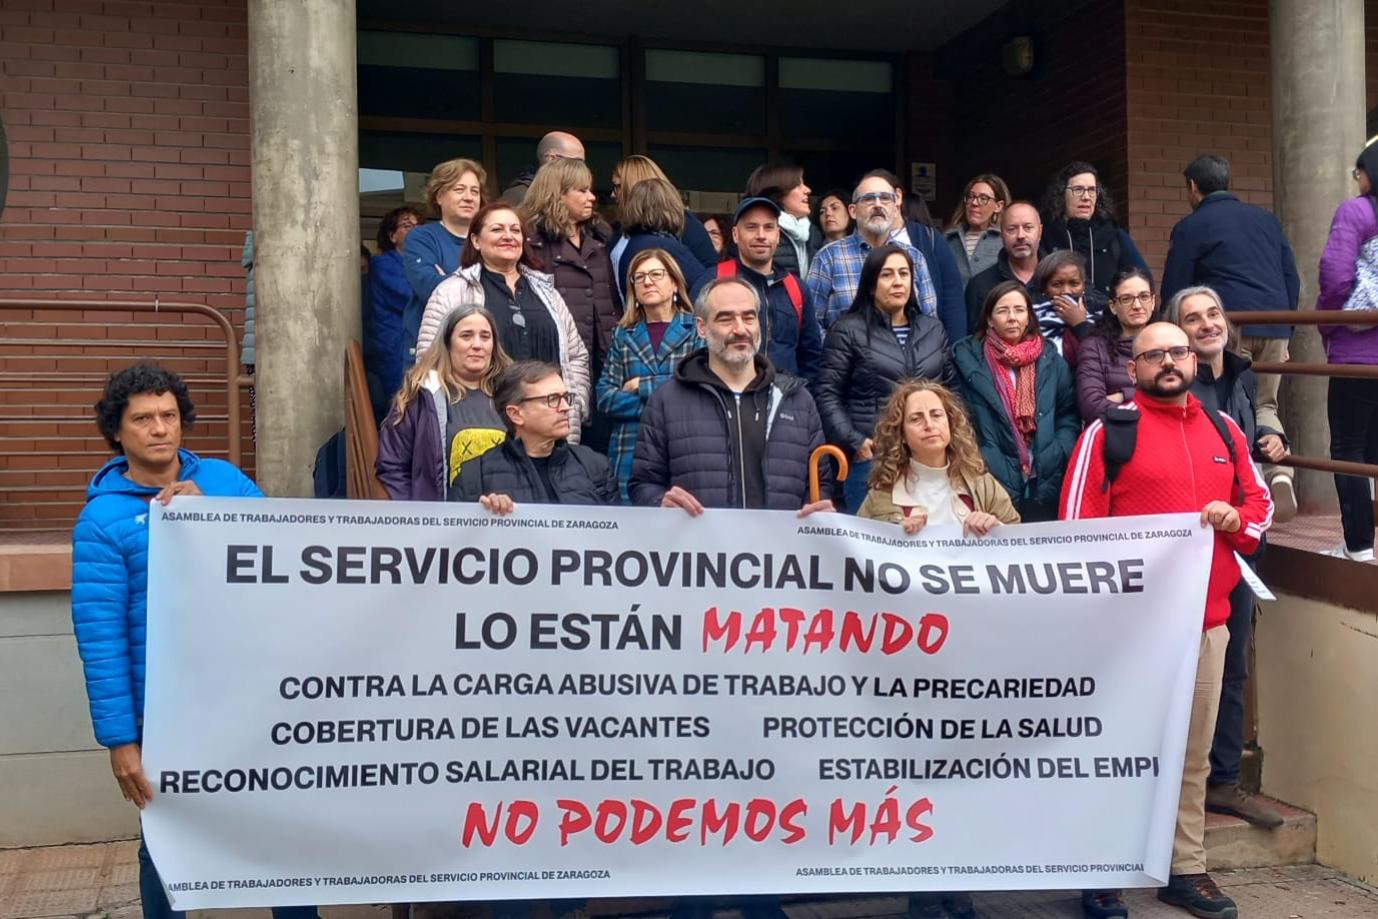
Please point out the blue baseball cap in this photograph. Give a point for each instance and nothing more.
(748, 203)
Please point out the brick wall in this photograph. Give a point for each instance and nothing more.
(128, 128)
(1198, 83)
(1027, 128)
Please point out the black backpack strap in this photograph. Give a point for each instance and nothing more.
(1218, 422)
(1120, 430)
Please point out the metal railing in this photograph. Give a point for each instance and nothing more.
(55, 356)
(1302, 368)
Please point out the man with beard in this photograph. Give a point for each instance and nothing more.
(836, 270)
(1021, 230)
(728, 430)
(1186, 458)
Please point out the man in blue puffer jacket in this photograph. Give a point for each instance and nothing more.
(142, 415)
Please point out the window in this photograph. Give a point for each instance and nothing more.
(558, 84)
(700, 92)
(409, 75)
(838, 99)
(707, 168)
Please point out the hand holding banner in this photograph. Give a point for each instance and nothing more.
(356, 702)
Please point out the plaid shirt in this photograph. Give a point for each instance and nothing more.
(631, 355)
(836, 272)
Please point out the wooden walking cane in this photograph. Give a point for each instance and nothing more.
(816, 458)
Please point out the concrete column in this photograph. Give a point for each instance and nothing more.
(1318, 129)
(306, 227)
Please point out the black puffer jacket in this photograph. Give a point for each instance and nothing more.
(685, 439)
(863, 363)
(584, 278)
(578, 474)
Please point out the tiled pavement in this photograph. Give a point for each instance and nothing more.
(102, 881)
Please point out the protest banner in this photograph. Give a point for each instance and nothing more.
(355, 702)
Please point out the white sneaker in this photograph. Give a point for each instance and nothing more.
(1284, 499)
(1342, 551)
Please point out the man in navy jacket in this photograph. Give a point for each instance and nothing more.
(1239, 251)
(790, 334)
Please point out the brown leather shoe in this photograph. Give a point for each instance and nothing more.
(1235, 801)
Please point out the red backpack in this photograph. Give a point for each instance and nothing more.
(728, 269)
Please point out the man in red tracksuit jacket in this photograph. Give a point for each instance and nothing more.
(1180, 463)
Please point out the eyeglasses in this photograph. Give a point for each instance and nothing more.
(1144, 297)
(655, 275)
(552, 400)
(981, 199)
(1083, 191)
(1156, 355)
(875, 197)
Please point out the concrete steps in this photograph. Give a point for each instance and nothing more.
(1232, 843)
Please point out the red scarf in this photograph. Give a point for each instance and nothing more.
(1020, 394)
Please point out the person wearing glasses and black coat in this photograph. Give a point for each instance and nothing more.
(1078, 214)
(536, 464)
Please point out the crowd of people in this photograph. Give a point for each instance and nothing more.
(1020, 365)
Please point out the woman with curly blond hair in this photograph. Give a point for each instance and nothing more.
(928, 466)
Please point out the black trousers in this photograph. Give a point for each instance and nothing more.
(1353, 410)
(1228, 745)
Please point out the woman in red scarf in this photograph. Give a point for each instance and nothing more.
(1021, 399)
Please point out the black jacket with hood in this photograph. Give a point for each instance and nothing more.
(693, 435)
(1105, 245)
(1241, 403)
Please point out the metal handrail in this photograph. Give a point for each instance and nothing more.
(1348, 371)
(232, 375)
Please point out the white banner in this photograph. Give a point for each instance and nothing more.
(361, 703)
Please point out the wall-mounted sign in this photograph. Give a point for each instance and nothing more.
(923, 180)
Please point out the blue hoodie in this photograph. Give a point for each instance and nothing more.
(110, 586)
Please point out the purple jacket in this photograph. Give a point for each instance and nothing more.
(1355, 223)
(411, 453)
(1100, 373)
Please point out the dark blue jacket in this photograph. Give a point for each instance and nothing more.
(1058, 423)
(947, 278)
(427, 248)
(688, 263)
(110, 586)
(1239, 251)
(390, 292)
(793, 341)
(685, 439)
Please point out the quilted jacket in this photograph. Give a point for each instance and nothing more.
(110, 586)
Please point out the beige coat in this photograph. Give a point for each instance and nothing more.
(465, 286)
(985, 492)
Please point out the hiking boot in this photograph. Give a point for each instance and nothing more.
(959, 906)
(1284, 499)
(1103, 904)
(1198, 895)
(1235, 801)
